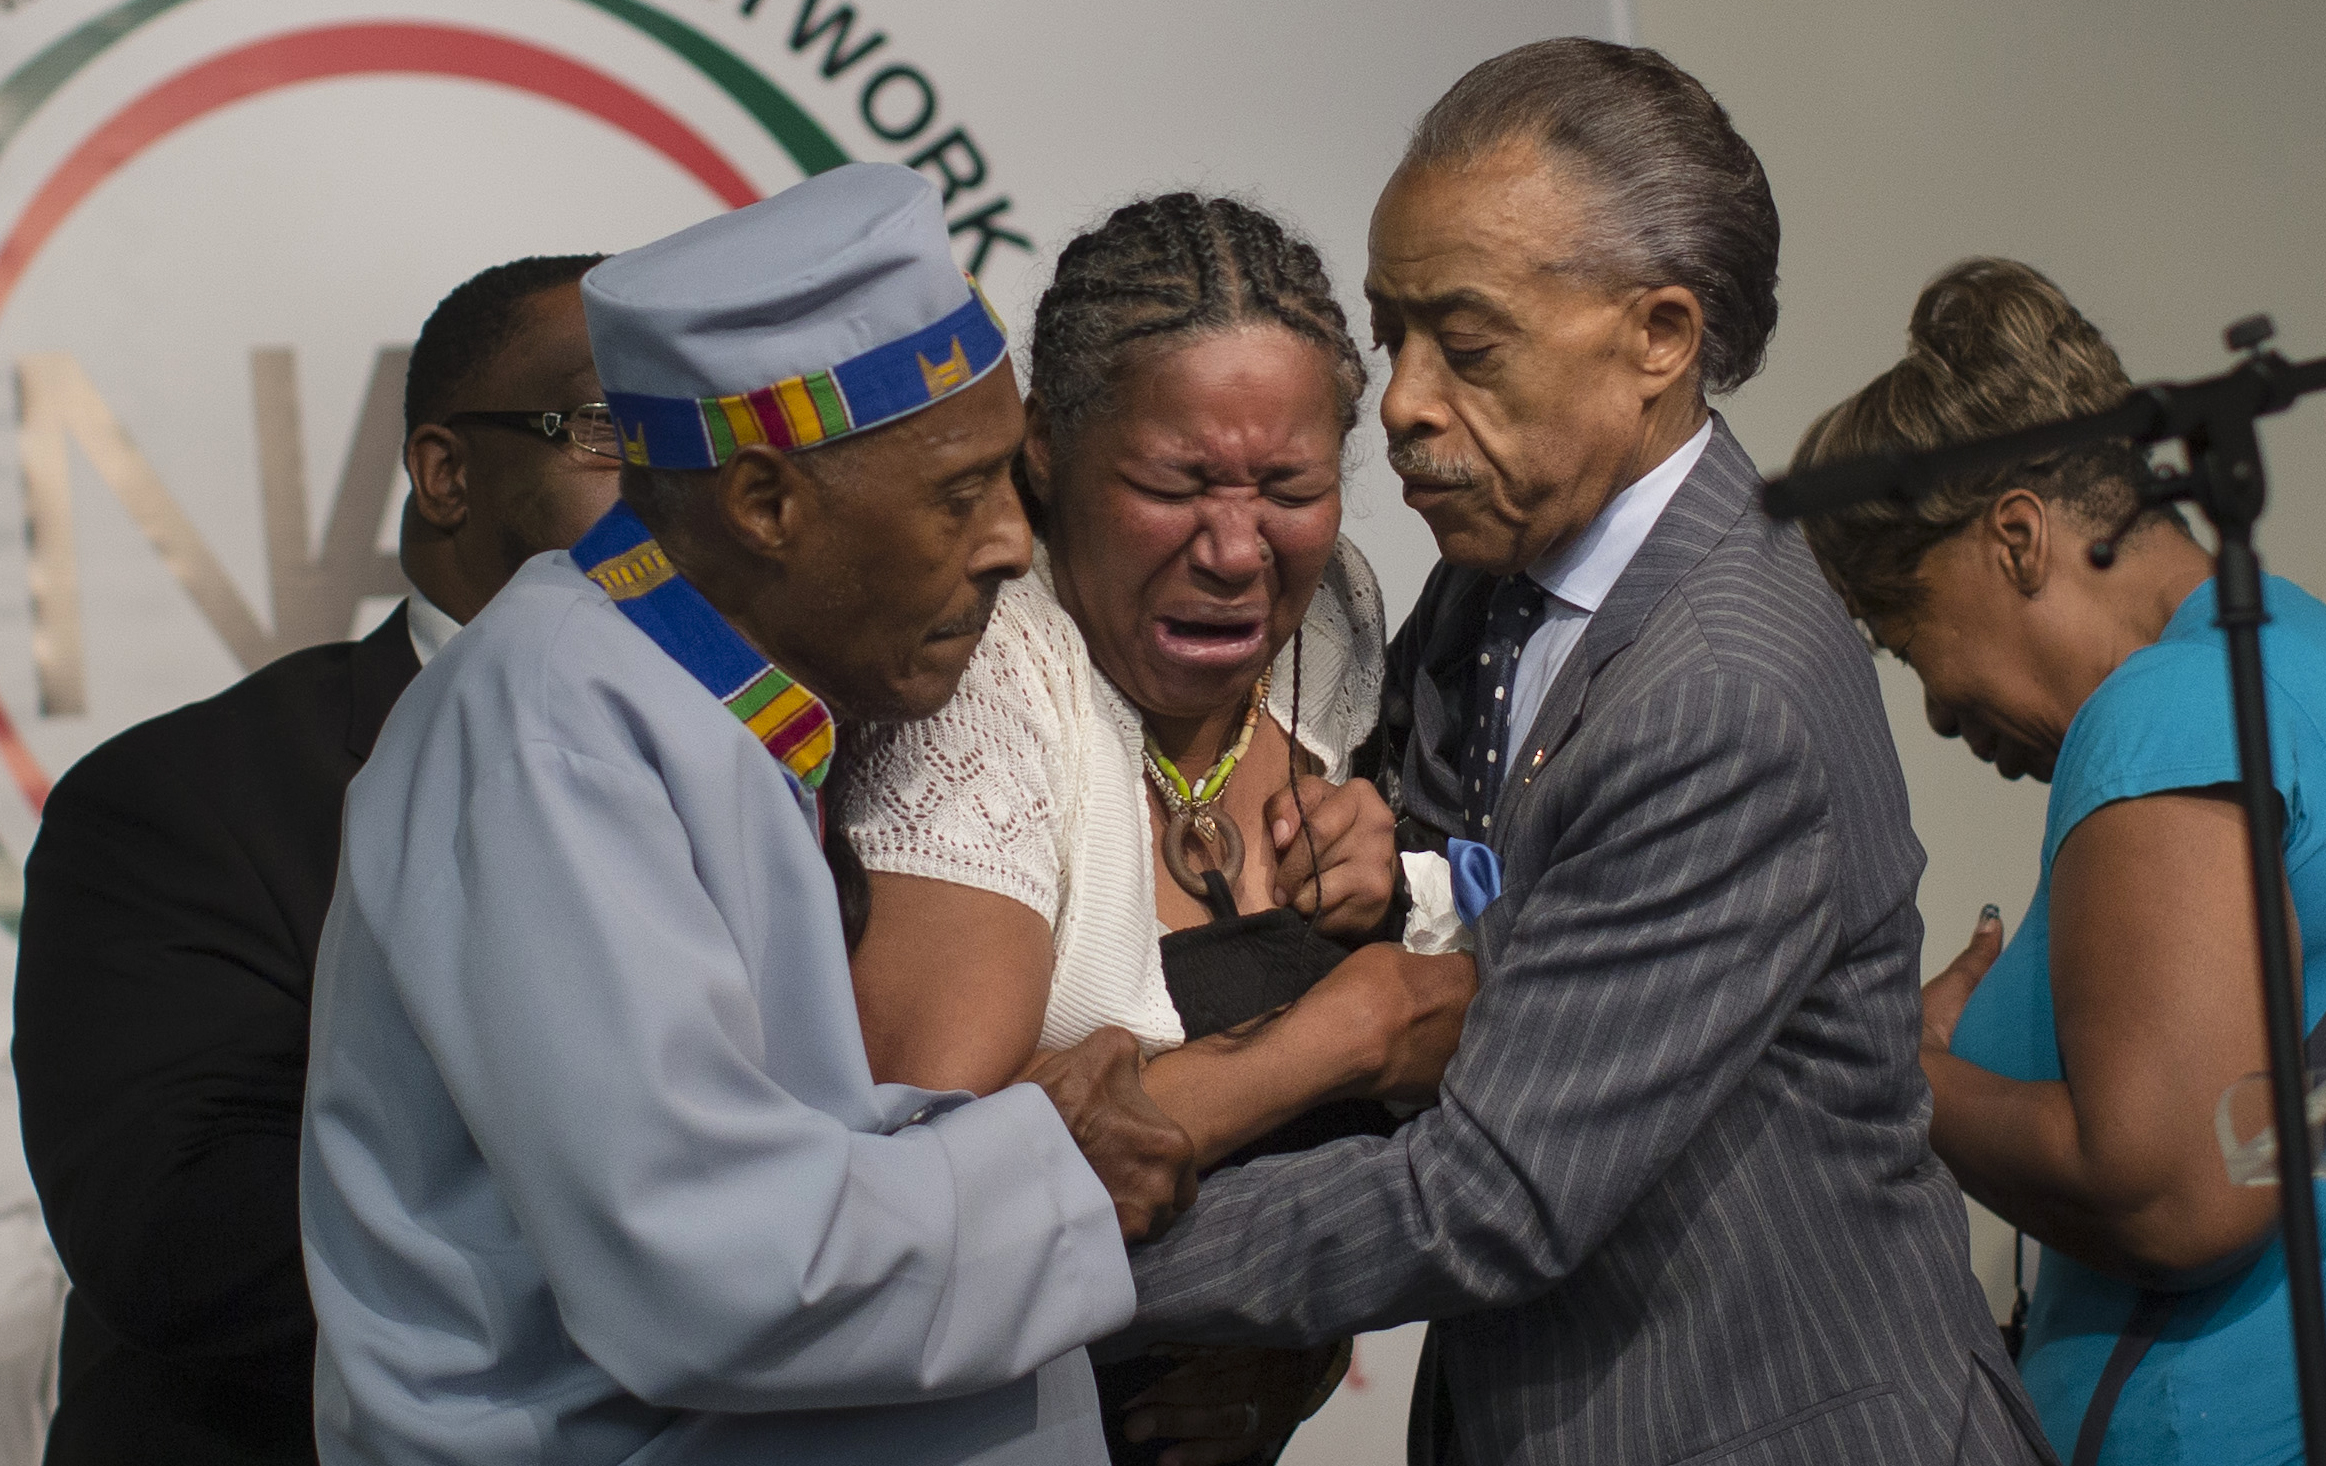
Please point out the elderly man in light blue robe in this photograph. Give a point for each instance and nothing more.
(594, 1166)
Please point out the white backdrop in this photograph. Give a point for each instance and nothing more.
(215, 215)
(188, 183)
(1898, 135)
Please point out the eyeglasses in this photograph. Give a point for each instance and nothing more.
(589, 427)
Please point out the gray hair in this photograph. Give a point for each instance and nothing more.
(1686, 202)
(657, 495)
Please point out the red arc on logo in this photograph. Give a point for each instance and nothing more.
(314, 55)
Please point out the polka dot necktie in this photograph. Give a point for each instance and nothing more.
(1512, 615)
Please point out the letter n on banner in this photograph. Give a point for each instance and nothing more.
(314, 597)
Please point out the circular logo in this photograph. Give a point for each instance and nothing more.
(220, 229)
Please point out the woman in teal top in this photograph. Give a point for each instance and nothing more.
(2074, 1081)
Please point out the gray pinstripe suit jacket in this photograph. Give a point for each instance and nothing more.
(1678, 1202)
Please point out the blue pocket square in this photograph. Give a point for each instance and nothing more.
(1477, 879)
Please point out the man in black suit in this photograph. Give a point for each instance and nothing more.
(174, 899)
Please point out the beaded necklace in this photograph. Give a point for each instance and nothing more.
(1191, 807)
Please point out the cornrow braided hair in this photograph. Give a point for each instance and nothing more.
(1178, 265)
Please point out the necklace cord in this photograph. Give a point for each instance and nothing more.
(1183, 800)
(1292, 770)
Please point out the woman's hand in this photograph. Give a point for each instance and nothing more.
(1408, 1010)
(1945, 996)
(1346, 850)
(1225, 1405)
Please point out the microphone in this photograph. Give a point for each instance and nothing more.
(2263, 383)
(1907, 476)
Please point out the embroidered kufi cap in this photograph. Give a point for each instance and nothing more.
(829, 309)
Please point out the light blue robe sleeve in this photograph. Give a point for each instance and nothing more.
(712, 1242)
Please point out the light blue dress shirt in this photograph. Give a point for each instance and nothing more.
(2217, 1389)
(594, 1169)
(1578, 577)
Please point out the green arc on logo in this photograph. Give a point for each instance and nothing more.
(793, 130)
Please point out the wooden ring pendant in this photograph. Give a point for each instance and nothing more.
(1227, 852)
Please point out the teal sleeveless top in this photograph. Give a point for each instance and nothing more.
(2218, 1387)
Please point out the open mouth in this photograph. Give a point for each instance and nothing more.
(1209, 643)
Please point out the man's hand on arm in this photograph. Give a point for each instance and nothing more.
(1141, 1155)
(1382, 1025)
(1664, 947)
(1406, 1009)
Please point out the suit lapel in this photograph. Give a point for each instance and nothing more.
(1717, 492)
(383, 666)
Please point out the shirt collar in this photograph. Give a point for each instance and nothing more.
(1583, 572)
(431, 628)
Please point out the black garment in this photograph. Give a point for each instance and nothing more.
(1228, 971)
(172, 906)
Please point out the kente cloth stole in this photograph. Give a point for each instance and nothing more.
(623, 558)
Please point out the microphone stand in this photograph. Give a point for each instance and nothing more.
(2214, 419)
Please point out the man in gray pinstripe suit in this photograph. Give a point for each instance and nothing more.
(1678, 1202)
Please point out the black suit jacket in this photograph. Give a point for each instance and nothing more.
(172, 907)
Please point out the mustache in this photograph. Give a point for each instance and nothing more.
(971, 624)
(1409, 459)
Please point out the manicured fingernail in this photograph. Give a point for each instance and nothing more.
(1990, 913)
(1282, 830)
(1277, 896)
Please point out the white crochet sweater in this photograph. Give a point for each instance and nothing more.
(1027, 784)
